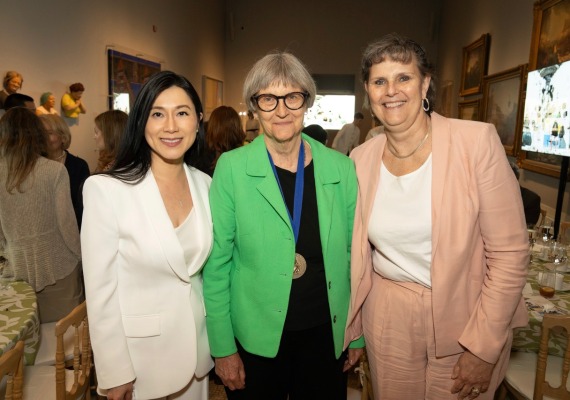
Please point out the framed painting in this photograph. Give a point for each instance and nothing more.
(502, 105)
(127, 74)
(475, 61)
(550, 44)
(212, 95)
(469, 110)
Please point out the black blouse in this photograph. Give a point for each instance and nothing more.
(308, 302)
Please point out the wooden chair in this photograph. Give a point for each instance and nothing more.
(542, 218)
(531, 375)
(48, 344)
(564, 233)
(65, 384)
(365, 378)
(11, 372)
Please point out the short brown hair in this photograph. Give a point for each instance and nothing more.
(77, 87)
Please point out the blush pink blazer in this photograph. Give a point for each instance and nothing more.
(479, 240)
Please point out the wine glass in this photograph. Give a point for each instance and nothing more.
(545, 232)
(532, 233)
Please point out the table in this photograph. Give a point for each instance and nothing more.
(19, 319)
(528, 338)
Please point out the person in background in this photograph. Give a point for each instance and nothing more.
(47, 104)
(58, 138)
(38, 230)
(71, 103)
(349, 135)
(276, 285)
(251, 127)
(378, 129)
(316, 132)
(531, 200)
(109, 129)
(19, 100)
(440, 248)
(147, 232)
(224, 133)
(11, 83)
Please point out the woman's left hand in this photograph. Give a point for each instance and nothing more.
(352, 359)
(472, 376)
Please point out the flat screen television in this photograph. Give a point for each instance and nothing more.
(546, 123)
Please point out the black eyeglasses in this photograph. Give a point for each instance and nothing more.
(269, 102)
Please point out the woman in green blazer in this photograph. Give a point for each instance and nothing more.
(277, 283)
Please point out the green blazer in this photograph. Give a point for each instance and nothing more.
(247, 279)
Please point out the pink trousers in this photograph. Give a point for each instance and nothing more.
(400, 343)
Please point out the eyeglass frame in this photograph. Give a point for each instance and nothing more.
(255, 99)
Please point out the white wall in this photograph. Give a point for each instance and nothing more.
(510, 24)
(56, 43)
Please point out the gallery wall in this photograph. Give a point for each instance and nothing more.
(54, 44)
(509, 22)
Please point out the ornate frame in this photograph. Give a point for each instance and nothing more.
(475, 54)
(499, 91)
(464, 108)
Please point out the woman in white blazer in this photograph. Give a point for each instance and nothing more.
(146, 234)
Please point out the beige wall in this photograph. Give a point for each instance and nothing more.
(54, 44)
(510, 24)
(328, 36)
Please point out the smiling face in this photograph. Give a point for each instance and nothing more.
(282, 124)
(172, 126)
(14, 85)
(395, 91)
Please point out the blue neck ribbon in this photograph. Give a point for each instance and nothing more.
(299, 187)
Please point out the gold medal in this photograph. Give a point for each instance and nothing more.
(300, 266)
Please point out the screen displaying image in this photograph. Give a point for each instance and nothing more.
(546, 121)
(331, 111)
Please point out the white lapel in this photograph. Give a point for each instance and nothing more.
(163, 229)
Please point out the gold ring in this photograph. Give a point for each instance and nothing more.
(475, 391)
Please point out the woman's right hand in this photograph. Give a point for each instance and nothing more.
(231, 371)
(123, 392)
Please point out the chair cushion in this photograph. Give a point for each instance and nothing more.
(521, 372)
(39, 382)
(46, 351)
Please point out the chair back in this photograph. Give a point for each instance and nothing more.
(542, 218)
(564, 231)
(365, 377)
(541, 386)
(81, 354)
(12, 365)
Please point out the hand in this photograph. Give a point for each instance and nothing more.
(352, 359)
(471, 372)
(123, 392)
(231, 371)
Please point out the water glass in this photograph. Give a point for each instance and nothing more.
(547, 283)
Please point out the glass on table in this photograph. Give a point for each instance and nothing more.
(547, 282)
(532, 234)
(546, 232)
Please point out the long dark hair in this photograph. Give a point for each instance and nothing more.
(22, 142)
(134, 153)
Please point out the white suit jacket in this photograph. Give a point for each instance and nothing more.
(145, 305)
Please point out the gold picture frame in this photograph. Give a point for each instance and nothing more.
(475, 62)
(503, 105)
(469, 110)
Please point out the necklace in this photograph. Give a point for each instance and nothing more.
(395, 152)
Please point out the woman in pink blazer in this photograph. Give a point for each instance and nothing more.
(439, 244)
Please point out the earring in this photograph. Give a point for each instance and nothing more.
(425, 104)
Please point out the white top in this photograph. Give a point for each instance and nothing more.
(42, 110)
(400, 226)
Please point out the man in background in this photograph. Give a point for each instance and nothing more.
(349, 136)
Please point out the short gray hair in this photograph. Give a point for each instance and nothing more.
(278, 67)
